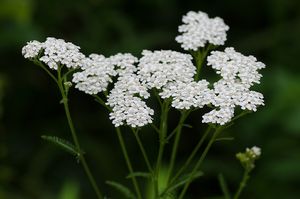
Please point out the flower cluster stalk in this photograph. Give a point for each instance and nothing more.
(128, 162)
(81, 157)
(162, 141)
(183, 117)
(243, 184)
(200, 161)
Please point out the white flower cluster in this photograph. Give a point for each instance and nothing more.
(124, 63)
(170, 72)
(55, 52)
(98, 71)
(238, 74)
(127, 104)
(32, 49)
(188, 95)
(232, 65)
(96, 74)
(125, 98)
(198, 29)
(156, 69)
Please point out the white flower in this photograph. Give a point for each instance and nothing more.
(198, 29)
(124, 63)
(254, 152)
(229, 95)
(232, 65)
(96, 75)
(156, 69)
(188, 95)
(238, 74)
(32, 49)
(127, 104)
(55, 52)
(98, 71)
(220, 116)
(233, 94)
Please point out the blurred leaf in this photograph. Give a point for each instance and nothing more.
(122, 189)
(139, 174)
(70, 190)
(224, 186)
(18, 10)
(185, 178)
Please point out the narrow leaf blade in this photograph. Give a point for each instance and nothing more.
(184, 179)
(224, 186)
(122, 189)
(139, 174)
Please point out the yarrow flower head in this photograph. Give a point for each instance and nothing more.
(127, 104)
(96, 75)
(55, 52)
(198, 30)
(124, 63)
(238, 74)
(232, 65)
(32, 49)
(156, 69)
(187, 95)
(98, 71)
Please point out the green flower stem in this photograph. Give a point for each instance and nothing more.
(190, 158)
(162, 142)
(243, 184)
(40, 64)
(124, 150)
(74, 136)
(100, 101)
(128, 162)
(200, 161)
(199, 57)
(183, 117)
(142, 148)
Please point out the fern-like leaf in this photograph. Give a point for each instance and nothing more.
(64, 144)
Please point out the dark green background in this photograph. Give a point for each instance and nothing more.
(29, 100)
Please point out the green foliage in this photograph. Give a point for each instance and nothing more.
(70, 190)
(139, 174)
(127, 193)
(181, 181)
(64, 144)
(224, 187)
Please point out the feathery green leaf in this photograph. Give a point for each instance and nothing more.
(64, 144)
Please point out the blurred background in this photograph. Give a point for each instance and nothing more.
(30, 168)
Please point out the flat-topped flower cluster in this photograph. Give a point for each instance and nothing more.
(171, 74)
